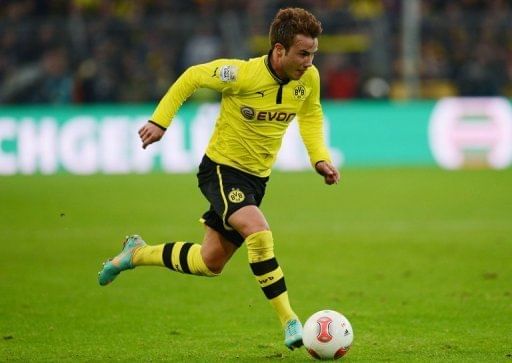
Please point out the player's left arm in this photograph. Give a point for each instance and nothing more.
(328, 171)
(311, 125)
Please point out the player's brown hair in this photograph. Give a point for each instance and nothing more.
(292, 21)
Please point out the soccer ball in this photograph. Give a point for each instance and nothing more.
(327, 334)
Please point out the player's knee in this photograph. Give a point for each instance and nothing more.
(216, 251)
(214, 264)
(256, 228)
(215, 259)
(247, 229)
(248, 220)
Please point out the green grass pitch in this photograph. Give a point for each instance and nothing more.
(419, 260)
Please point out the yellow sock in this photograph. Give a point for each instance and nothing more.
(184, 257)
(282, 306)
(260, 249)
(148, 256)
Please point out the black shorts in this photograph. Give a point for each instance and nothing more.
(227, 189)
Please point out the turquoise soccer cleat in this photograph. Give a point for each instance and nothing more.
(293, 334)
(123, 261)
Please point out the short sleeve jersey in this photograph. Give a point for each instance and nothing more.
(256, 109)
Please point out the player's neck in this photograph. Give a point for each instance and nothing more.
(275, 66)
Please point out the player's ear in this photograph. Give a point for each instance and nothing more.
(279, 49)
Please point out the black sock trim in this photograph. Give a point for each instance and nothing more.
(167, 255)
(264, 267)
(183, 257)
(275, 289)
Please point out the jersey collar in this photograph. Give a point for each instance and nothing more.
(272, 70)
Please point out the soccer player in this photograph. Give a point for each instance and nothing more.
(260, 97)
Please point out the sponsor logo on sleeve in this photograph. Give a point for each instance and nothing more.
(227, 73)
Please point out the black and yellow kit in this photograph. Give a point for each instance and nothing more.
(256, 109)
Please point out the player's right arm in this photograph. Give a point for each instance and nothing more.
(150, 133)
(219, 75)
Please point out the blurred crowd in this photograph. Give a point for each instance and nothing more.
(83, 51)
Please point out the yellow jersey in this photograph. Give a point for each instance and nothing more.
(256, 109)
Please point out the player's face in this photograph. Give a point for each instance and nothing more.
(299, 57)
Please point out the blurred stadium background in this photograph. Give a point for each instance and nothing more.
(86, 51)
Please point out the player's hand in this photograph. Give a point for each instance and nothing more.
(150, 133)
(328, 171)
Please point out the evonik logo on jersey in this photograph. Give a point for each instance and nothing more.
(250, 114)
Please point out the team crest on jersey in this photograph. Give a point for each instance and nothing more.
(247, 112)
(236, 196)
(299, 93)
(227, 73)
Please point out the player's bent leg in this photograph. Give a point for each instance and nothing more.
(183, 257)
(207, 259)
(121, 262)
